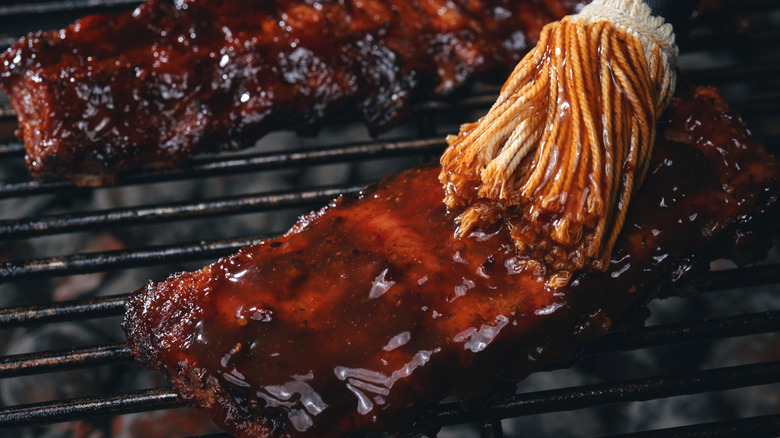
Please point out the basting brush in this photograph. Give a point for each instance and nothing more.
(559, 155)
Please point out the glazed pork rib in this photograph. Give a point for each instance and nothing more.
(370, 309)
(155, 86)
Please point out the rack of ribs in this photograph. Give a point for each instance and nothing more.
(371, 309)
(152, 87)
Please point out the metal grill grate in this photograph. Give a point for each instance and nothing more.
(41, 217)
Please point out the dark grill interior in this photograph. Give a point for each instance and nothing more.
(705, 365)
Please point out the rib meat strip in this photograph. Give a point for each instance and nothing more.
(154, 86)
(369, 310)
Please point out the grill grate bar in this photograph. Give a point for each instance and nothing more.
(54, 7)
(171, 212)
(11, 149)
(218, 166)
(766, 426)
(748, 277)
(74, 409)
(243, 164)
(26, 364)
(445, 414)
(667, 334)
(765, 105)
(113, 305)
(111, 260)
(572, 398)
(62, 311)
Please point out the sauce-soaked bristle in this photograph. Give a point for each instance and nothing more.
(568, 140)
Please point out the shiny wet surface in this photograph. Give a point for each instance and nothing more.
(370, 309)
(154, 86)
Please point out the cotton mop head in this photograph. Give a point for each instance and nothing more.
(568, 141)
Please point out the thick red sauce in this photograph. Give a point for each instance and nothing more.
(277, 333)
(154, 86)
(372, 308)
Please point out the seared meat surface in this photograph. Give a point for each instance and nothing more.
(369, 310)
(153, 87)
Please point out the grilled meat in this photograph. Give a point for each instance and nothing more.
(370, 309)
(153, 87)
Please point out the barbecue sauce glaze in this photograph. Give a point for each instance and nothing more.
(568, 141)
(154, 86)
(370, 309)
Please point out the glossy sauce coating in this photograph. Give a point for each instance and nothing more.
(157, 85)
(369, 310)
(561, 152)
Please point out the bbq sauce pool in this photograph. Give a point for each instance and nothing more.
(371, 308)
